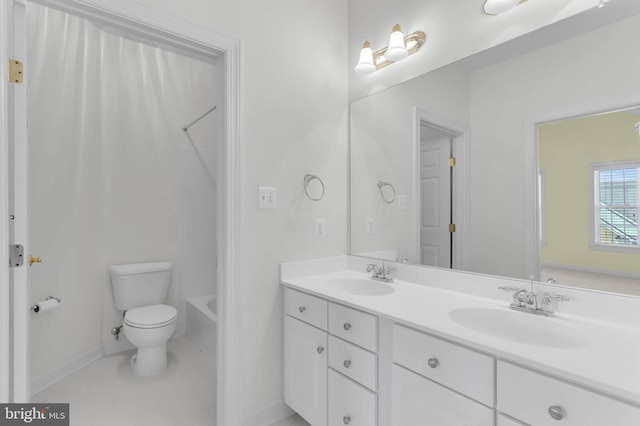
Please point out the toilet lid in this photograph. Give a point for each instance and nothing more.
(150, 316)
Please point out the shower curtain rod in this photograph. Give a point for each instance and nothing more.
(185, 128)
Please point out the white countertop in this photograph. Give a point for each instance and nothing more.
(610, 362)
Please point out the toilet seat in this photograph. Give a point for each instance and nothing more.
(153, 316)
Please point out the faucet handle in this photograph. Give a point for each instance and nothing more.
(507, 288)
(372, 267)
(558, 297)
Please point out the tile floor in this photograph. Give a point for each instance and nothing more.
(106, 393)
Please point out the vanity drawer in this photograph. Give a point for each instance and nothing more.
(349, 403)
(305, 307)
(355, 326)
(464, 370)
(419, 401)
(508, 421)
(528, 396)
(354, 362)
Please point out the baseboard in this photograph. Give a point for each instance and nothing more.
(44, 381)
(268, 415)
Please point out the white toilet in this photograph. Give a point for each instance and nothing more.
(140, 289)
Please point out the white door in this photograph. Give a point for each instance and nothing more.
(305, 370)
(435, 202)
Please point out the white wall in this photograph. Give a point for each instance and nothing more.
(383, 148)
(455, 29)
(596, 69)
(104, 175)
(293, 116)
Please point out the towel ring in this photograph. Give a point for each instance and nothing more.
(308, 178)
(381, 185)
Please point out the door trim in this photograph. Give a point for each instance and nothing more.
(460, 184)
(6, 51)
(153, 22)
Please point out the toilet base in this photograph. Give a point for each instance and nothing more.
(149, 361)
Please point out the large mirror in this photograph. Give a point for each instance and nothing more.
(510, 162)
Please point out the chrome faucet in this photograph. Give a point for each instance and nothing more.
(381, 273)
(527, 301)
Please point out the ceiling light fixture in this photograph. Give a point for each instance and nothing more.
(496, 7)
(399, 48)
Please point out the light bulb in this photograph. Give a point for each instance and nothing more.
(495, 7)
(397, 49)
(365, 64)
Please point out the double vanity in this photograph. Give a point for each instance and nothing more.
(437, 347)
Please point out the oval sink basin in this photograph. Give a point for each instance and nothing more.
(361, 287)
(520, 327)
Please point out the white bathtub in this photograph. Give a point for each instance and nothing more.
(202, 322)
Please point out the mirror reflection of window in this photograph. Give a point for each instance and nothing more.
(589, 204)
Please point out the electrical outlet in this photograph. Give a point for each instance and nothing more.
(320, 228)
(371, 226)
(402, 202)
(266, 197)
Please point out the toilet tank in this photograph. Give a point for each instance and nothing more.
(140, 284)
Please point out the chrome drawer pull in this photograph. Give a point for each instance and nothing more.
(433, 362)
(347, 364)
(556, 412)
(347, 326)
(302, 309)
(346, 420)
(320, 349)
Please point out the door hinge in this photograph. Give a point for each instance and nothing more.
(15, 71)
(16, 255)
(452, 161)
(452, 227)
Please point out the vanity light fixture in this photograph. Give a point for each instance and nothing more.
(399, 48)
(496, 7)
(365, 64)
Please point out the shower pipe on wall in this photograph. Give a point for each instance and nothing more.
(186, 128)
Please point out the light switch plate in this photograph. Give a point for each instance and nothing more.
(402, 202)
(266, 197)
(320, 228)
(371, 226)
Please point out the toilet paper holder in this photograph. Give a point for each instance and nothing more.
(36, 308)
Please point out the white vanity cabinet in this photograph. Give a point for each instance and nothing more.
(438, 382)
(330, 362)
(305, 356)
(345, 366)
(541, 400)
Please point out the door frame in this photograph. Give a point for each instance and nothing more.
(149, 21)
(531, 225)
(460, 182)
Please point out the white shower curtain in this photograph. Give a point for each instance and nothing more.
(105, 147)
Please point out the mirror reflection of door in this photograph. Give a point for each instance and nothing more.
(436, 190)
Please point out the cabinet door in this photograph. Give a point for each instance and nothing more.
(305, 370)
(419, 401)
